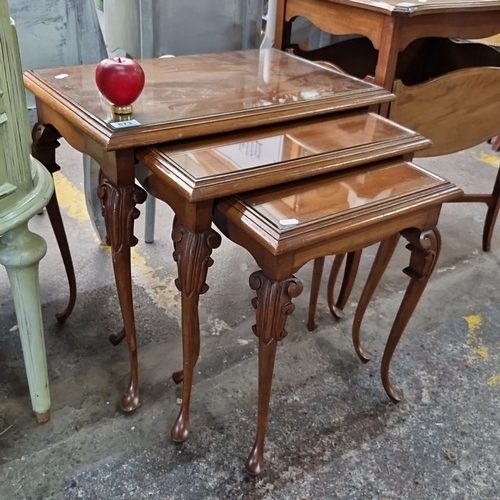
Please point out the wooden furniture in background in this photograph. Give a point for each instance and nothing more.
(493, 41)
(446, 90)
(25, 188)
(391, 27)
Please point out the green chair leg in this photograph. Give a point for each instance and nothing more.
(20, 252)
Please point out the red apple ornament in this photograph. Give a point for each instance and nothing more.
(120, 81)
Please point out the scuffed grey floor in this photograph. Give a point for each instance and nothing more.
(332, 434)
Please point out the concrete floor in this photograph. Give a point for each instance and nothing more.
(332, 433)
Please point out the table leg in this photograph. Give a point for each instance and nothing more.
(491, 215)
(424, 247)
(334, 272)
(382, 259)
(319, 264)
(192, 254)
(272, 305)
(45, 143)
(387, 58)
(118, 209)
(350, 273)
(20, 253)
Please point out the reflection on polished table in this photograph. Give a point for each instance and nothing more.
(184, 97)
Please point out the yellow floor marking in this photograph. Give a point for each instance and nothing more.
(474, 341)
(494, 381)
(71, 198)
(161, 290)
(492, 160)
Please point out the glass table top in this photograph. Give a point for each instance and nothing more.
(304, 202)
(283, 144)
(208, 85)
(423, 6)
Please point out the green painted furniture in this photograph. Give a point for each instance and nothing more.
(54, 34)
(25, 188)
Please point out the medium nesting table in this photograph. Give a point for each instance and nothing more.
(193, 175)
(352, 188)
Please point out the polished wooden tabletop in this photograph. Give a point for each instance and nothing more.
(417, 7)
(303, 203)
(210, 93)
(221, 165)
(282, 218)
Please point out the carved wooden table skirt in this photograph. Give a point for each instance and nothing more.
(447, 91)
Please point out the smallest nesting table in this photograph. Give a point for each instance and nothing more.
(286, 227)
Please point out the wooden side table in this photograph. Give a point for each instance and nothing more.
(392, 25)
(184, 97)
(284, 228)
(191, 176)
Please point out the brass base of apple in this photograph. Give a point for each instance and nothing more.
(121, 110)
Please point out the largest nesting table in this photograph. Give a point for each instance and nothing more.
(208, 127)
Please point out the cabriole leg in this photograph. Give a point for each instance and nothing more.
(272, 306)
(350, 273)
(382, 259)
(319, 264)
(424, 247)
(192, 254)
(118, 209)
(45, 143)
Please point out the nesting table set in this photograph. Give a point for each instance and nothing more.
(280, 154)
